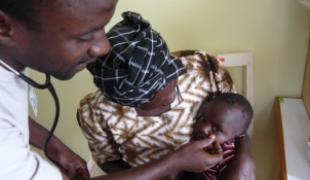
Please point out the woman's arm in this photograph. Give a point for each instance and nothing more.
(114, 166)
(190, 157)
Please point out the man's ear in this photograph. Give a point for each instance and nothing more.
(6, 29)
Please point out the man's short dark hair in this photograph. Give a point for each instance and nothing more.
(233, 99)
(25, 11)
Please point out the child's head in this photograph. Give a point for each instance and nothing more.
(226, 116)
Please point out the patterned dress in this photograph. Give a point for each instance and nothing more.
(116, 132)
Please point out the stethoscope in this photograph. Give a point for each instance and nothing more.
(47, 85)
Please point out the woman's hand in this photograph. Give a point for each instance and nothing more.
(193, 157)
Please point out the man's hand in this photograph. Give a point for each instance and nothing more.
(70, 163)
(194, 158)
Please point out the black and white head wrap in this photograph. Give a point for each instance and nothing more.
(138, 65)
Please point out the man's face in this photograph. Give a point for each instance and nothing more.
(220, 120)
(70, 36)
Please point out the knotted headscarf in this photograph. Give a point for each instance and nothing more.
(138, 65)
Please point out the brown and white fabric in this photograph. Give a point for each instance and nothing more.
(116, 132)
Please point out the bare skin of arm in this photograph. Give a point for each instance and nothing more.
(70, 163)
(38, 134)
(190, 157)
(114, 166)
(242, 166)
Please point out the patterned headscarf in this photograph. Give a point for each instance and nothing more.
(138, 65)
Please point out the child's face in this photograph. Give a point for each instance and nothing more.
(220, 120)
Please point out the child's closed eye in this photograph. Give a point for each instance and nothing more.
(215, 129)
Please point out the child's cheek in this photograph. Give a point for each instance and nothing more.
(221, 138)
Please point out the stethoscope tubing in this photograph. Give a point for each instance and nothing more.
(47, 85)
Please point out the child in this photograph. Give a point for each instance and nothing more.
(227, 117)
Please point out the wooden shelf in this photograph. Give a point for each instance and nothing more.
(306, 86)
(293, 125)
